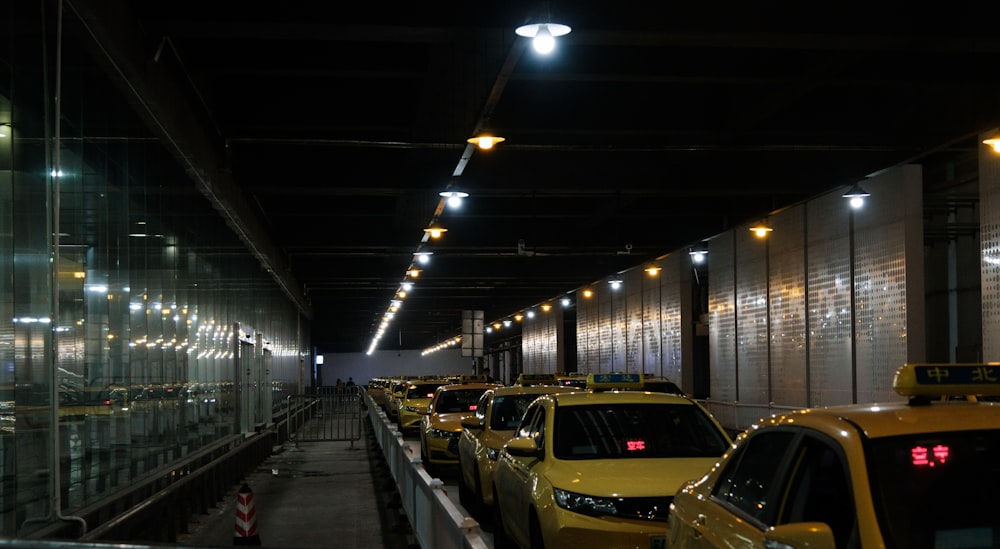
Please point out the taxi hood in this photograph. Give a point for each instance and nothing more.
(646, 477)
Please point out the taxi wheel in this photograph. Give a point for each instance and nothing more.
(500, 539)
(535, 532)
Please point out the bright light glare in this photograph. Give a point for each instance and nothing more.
(544, 42)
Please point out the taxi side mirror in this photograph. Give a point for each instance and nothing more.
(472, 422)
(522, 446)
(814, 535)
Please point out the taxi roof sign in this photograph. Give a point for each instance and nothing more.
(928, 380)
(616, 380)
(535, 379)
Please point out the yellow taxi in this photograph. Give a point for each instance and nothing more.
(920, 473)
(414, 400)
(484, 433)
(598, 468)
(441, 426)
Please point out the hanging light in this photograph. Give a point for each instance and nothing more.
(615, 284)
(653, 270)
(857, 196)
(698, 256)
(435, 232)
(485, 141)
(760, 230)
(454, 198)
(543, 35)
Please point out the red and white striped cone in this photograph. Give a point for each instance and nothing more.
(246, 518)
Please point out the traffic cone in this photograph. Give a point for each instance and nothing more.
(246, 518)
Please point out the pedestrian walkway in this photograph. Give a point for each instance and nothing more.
(314, 494)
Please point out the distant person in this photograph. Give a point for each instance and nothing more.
(350, 381)
(486, 372)
(340, 385)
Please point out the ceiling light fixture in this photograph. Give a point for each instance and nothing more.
(485, 142)
(615, 284)
(543, 35)
(653, 270)
(454, 198)
(857, 196)
(588, 293)
(435, 232)
(698, 256)
(423, 257)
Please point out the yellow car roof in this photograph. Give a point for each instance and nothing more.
(601, 397)
(898, 418)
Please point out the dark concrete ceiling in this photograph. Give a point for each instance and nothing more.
(651, 127)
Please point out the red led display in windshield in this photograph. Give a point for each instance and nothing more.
(922, 456)
(635, 445)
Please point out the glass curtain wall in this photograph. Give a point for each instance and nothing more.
(124, 297)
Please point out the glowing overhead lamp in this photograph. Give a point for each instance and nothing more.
(857, 196)
(497, 325)
(588, 293)
(454, 198)
(698, 255)
(760, 230)
(519, 317)
(566, 302)
(615, 284)
(653, 270)
(485, 141)
(413, 273)
(435, 232)
(993, 140)
(407, 286)
(423, 257)
(543, 35)
(546, 307)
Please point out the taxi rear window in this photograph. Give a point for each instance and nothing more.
(610, 431)
(938, 489)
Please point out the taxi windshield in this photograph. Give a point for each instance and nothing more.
(938, 489)
(458, 400)
(508, 410)
(611, 431)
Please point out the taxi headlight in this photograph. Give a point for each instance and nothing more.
(585, 505)
(438, 433)
(492, 453)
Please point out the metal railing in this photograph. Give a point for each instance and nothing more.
(436, 521)
(326, 417)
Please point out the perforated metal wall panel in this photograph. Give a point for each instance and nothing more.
(588, 333)
(671, 333)
(539, 341)
(652, 323)
(632, 288)
(618, 322)
(829, 302)
(723, 367)
(883, 267)
(786, 272)
(989, 226)
(752, 316)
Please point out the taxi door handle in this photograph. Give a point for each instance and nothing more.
(699, 525)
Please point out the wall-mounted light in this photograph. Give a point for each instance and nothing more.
(857, 196)
(760, 230)
(485, 142)
(993, 140)
(543, 35)
(435, 232)
(454, 198)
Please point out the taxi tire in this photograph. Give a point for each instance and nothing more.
(500, 538)
(535, 532)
